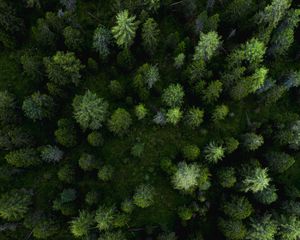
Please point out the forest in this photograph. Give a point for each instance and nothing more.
(150, 119)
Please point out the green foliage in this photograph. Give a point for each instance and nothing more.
(116, 88)
(191, 152)
(117, 235)
(102, 41)
(231, 144)
(7, 107)
(207, 46)
(252, 141)
(125, 30)
(233, 229)
(174, 115)
(137, 150)
(66, 173)
(188, 177)
(194, 117)
(51, 154)
(90, 111)
(105, 173)
(81, 225)
(167, 236)
(173, 95)
(220, 113)
(213, 91)
(179, 60)
(63, 68)
(23, 157)
(38, 106)
(279, 162)
(213, 152)
(87, 162)
(267, 195)
(105, 216)
(140, 111)
(150, 35)
(226, 177)
(127, 206)
(32, 65)
(144, 196)
(185, 213)
(256, 180)
(73, 38)
(92, 198)
(119, 122)
(66, 133)
(237, 207)
(45, 228)
(289, 227)
(262, 228)
(14, 204)
(95, 139)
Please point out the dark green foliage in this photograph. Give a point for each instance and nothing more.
(73, 38)
(173, 95)
(194, 117)
(95, 139)
(279, 162)
(38, 106)
(66, 133)
(87, 162)
(24, 157)
(267, 195)
(232, 229)
(227, 177)
(63, 68)
(81, 225)
(237, 207)
(191, 152)
(144, 196)
(150, 35)
(119, 122)
(262, 228)
(101, 41)
(14, 204)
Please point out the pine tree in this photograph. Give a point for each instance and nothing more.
(102, 41)
(263, 227)
(144, 196)
(173, 95)
(150, 35)
(23, 157)
(194, 117)
(256, 180)
(81, 225)
(125, 30)
(90, 111)
(237, 207)
(119, 122)
(213, 152)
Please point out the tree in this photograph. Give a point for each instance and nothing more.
(279, 162)
(231, 144)
(140, 111)
(90, 111)
(220, 113)
(173, 115)
(38, 106)
(117, 235)
(45, 228)
(105, 217)
(116, 88)
(87, 161)
(150, 35)
(14, 204)
(95, 139)
(102, 41)
(92, 198)
(81, 225)
(188, 177)
(289, 227)
(238, 207)
(144, 196)
(212, 92)
(263, 227)
(51, 154)
(194, 117)
(167, 236)
(207, 46)
(254, 51)
(63, 68)
(226, 177)
(267, 195)
(232, 229)
(152, 5)
(252, 141)
(32, 65)
(185, 213)
(191, 152)
(105, 173)
(66, 173)
(66, 133)
(125, 29)
(119, 122)
(213, 152)
(256, 180)
(147, 75)
(137, 150)
(73, 38)
(7, 107)
(127, 206)
(173, 95)
(23, 157)
(179, 60)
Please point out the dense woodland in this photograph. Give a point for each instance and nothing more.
(150, 119)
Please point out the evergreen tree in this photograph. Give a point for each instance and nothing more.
(95, 139)
(150, 35)
(90, 111)
(194, 117)
(173, 115)
(81, 225)
(256, 180)
(173, 95)
(87, 161)
(102, 41)
(105, 173)
(66, 133)
(144, 196)
(140, 111)
(191, 152)
(14, 204)
(125, 30)
(253, 141)
(23, 157)
(63, 68)
(7, 107)
(38, 106)
(289, 227)
(212, 92)
(105, 216)
(227, 177)
(237, 207)
(233, 229)
(267, 195)
(263, 227)
(119, 122)
(73, 38)
(51, 153)
(213, 152)
(220, 113)
(279, 162)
